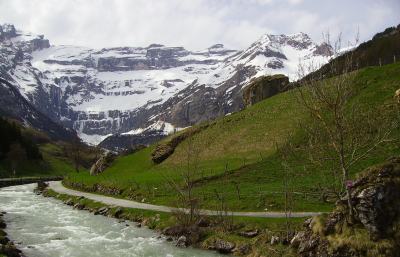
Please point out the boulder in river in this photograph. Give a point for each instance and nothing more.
(182, 241)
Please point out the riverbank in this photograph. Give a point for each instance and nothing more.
(6, 182)
(58, 187)
(7, 247)
(45, 227)
(241, 236)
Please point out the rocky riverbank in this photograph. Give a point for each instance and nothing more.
(241, 237)
(7, 247)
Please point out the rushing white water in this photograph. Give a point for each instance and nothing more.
(45, 227)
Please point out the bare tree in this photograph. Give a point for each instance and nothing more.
(184, 183)
(285, 153)
(341, 130)
(236, 184)
(224, 217)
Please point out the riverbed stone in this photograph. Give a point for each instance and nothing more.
(3, 225)
(103, 210)
(249, 234)
(78, 206)
(223, 246)
(118, 212)
(4, 240)
(242, 250)
(182, 241)
(69, 201)
(274, 240)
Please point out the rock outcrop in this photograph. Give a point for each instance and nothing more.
(164, 149)
(102, 163)
(264, 87)
(375, 228)
(128, 143)
(15, 106)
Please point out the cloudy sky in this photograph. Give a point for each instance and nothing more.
(195, 24)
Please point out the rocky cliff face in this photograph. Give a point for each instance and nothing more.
(374, 230)
(264, 87)
(122, 142)
(111, 91)
(15, 106)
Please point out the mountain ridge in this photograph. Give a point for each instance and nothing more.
(102, 92)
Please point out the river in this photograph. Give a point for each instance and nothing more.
(45, 227)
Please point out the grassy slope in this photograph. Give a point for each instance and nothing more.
(53, 164)
(242, 146)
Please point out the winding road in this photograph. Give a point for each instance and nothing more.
(59, 188)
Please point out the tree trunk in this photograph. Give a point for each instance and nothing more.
(348, 194)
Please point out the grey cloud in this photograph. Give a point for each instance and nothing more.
(195, 24)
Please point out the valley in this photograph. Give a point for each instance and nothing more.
(285, 147)
(235, 152)
(128, 90)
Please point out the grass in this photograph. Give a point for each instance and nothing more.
(239, 151)
(53, 164)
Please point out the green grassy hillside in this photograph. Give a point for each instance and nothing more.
(26, 152)
(237, 155)
(52, 164)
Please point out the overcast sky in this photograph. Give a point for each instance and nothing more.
(195, 24)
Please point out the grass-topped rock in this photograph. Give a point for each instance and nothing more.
(164, 149)
(264, 87)
(374, 229)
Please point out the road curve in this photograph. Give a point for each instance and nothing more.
(59, 188)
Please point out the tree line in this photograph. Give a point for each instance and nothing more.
(14, 146)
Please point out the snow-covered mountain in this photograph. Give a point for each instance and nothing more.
(128, 90)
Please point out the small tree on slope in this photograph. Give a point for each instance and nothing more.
(342, 130)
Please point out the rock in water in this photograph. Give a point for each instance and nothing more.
(264, 87)
(182, 241)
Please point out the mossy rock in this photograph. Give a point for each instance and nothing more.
(165, 149)
(373, 231)
(264, 87)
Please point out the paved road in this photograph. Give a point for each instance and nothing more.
(58, 187)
